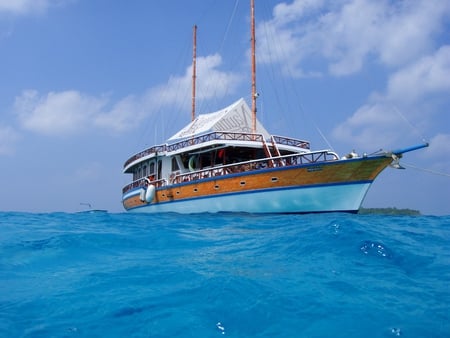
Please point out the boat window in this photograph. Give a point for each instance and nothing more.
(159, 169)
(152, 167)
(204, 160)
(138, 172)
(185, 161)
(175, 166)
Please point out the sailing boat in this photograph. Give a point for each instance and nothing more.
(226, 161)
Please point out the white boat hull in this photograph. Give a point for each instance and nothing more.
(322, 198)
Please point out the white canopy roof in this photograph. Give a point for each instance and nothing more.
(236, 118)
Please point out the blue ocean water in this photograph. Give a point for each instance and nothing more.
(235, 275)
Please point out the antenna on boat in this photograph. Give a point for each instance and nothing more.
(253, 46)
(194, 62)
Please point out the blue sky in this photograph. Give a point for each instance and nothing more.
(84, 84)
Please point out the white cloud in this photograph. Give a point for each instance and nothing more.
(211, 83)
(70, 112)
(21, 7)
(440, 145)
(283, 40)
(411, 89)
(57, 113)
(368, 123)
(8, 138)
(409, 26)
(124, 115)
(436, 161)
(347, 33)
(429, 75)
(340, 37)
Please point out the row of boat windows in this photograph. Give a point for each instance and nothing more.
(147, 169)
(152, 169)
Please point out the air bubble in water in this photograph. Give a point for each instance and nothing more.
(220, 327)
(396, 331)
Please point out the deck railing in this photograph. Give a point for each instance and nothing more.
(278, 161)
(146, 152)
(291, 142)
(142, 182)
(226, 136)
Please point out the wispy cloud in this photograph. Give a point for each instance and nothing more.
(440, 145)
(57, 113)
(339, 38)
(347, 33)
(411, 89)
(71, 112)
(22, 7)
(344, 34)
(429, 75)
(211, 82)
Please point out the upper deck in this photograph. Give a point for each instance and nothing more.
(216, 137)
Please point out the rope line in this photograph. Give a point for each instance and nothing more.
(434, 172)
(414, 128)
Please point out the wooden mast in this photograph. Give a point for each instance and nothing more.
(253, 55)
(194, 62)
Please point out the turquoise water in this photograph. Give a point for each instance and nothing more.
(125, 275)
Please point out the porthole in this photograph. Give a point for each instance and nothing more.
(274, 179)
